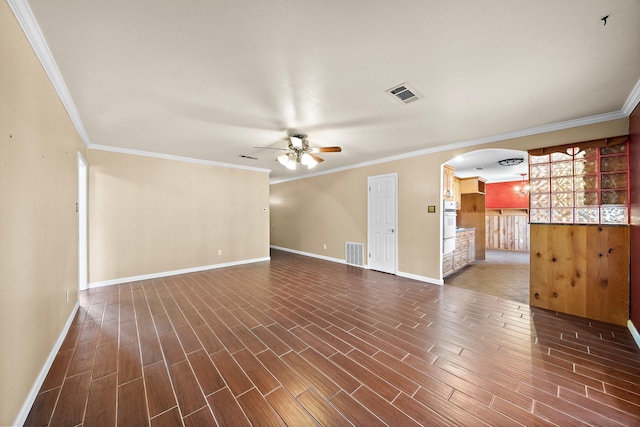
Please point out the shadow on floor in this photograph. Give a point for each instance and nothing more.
(503, 274)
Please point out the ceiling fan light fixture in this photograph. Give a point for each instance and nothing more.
(308, 160)
(511, 162)
(296, 142)
(292, 163)
(283, 159)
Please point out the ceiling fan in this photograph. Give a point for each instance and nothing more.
(301, 153)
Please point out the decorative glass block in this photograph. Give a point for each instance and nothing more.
(614, 215)
(561, 184)
(613, 163)
(588, 186)
(539, 186)
(587, 215)
(538, 159)
(539, 216)
(585, 166)
(614, 149)
(539, 200)
(587, 182)
(562, 169)
(590, 153)
(558, 157)
(562, 215)
(564, 200)
(614, 180)
(539, 171)
(589, 198)
(614, 197)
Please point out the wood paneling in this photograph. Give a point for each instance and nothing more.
(507, 229)
(634, 184)
(581, 270)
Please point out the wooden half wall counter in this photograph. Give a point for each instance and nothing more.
(581, 270)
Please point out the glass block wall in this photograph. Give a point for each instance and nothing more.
(589, 186)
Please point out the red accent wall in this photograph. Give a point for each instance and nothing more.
(634, 178)
(501, 195)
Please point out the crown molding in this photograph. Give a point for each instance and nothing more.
(175, 158)
(632, 100)
(27, 21)
(475, 142)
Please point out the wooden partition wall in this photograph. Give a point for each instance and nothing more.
(507, 229)
(581, 270)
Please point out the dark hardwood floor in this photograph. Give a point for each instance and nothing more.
(300, 341)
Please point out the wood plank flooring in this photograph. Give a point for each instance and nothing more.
(299, 341)
(502, 274)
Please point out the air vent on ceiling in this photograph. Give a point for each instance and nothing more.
(248, 157)
(404, 93)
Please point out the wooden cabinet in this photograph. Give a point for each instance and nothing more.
(475, 184)
(463, 254)
(447, 182)
(472, 215)
(472, 245)
(581, 270)
(456, 191)
(447, 264)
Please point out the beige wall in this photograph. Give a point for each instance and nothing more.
(38, 228)
(150, 215)
(331, 209)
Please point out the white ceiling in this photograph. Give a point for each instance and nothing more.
(484, 163)
(211, 80)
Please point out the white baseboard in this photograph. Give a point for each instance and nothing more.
(341, 261)
(173, 272)
(31, 398)
(312, 255)
(421, 278)
(634, 332)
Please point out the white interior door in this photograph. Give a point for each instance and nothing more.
(382, 227)
(82, 223)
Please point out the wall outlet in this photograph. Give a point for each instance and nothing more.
(67, 295)
(219, 251)
(325, 246)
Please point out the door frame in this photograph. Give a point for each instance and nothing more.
(81, 209)
(393, 175)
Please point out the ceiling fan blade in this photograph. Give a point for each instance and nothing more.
(271, 148)
(326, 149)
(316, 158)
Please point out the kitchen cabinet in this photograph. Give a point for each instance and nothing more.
(447, 183)
(472, 215)
(464, 253)
(456, 192)
(474, 184)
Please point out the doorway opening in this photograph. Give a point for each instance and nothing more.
(82, 211)
(497, 211)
